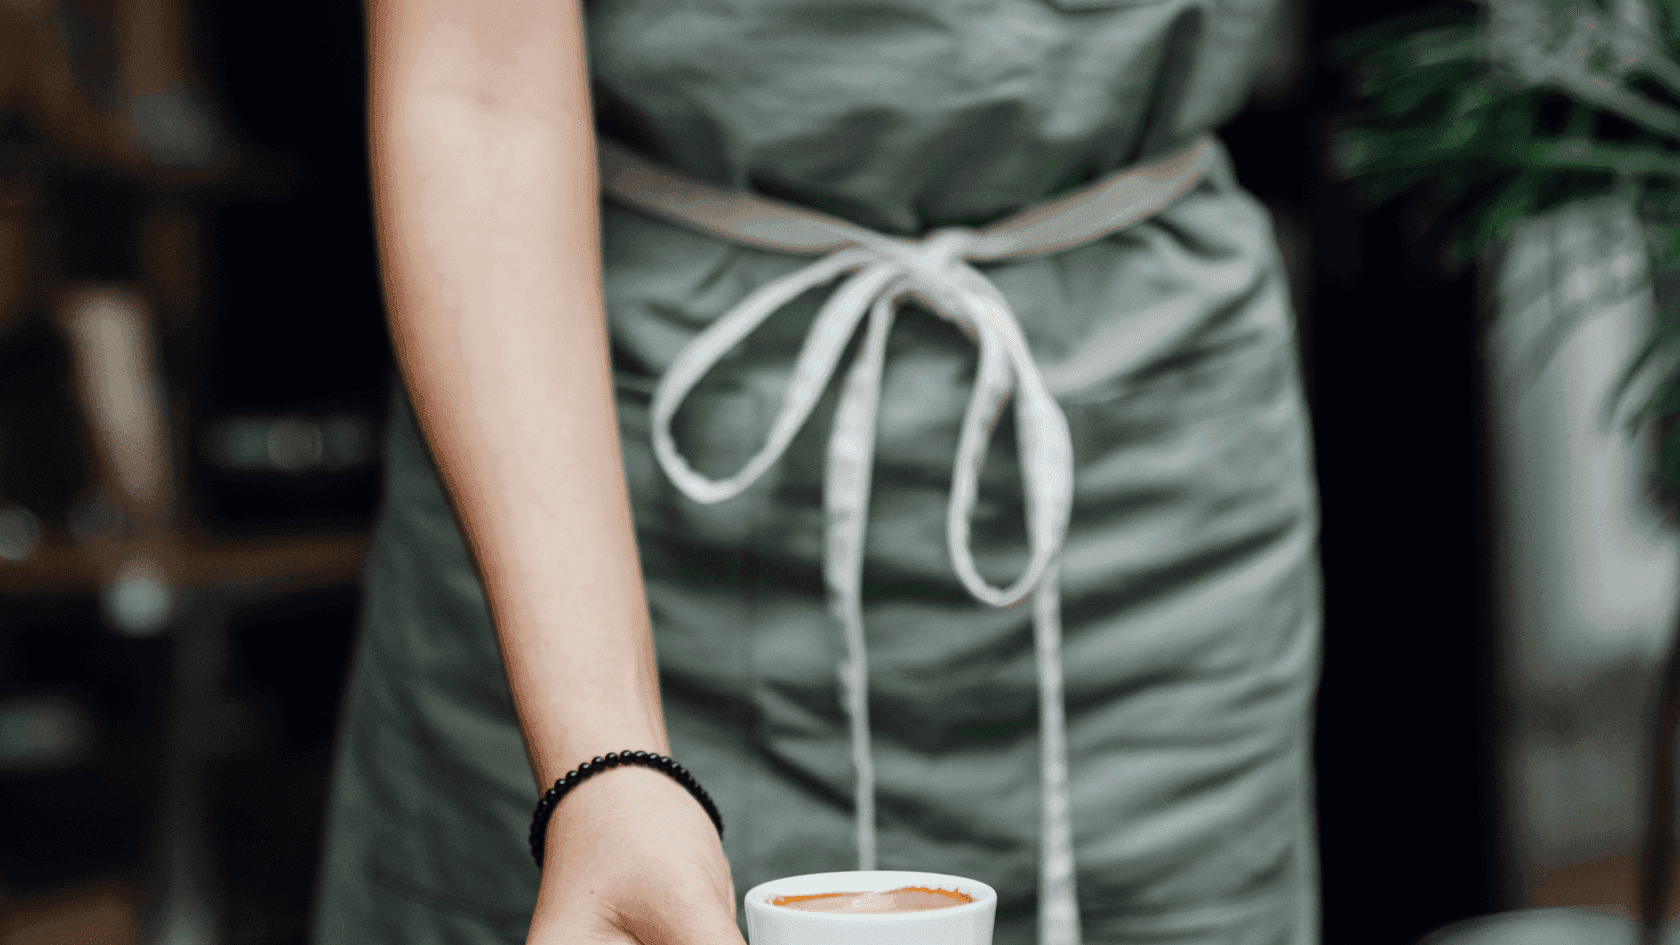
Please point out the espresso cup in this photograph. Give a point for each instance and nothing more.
(968, 923)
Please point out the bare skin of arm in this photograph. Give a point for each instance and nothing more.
(487, 214)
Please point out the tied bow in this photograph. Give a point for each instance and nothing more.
(885, 270)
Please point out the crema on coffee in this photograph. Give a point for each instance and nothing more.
(903, 899)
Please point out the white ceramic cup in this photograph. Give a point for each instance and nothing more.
(967, 924)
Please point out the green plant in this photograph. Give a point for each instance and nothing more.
(1498, 111)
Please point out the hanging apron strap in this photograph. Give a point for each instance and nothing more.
(938, 272)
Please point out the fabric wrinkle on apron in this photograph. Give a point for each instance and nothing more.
(936, 271)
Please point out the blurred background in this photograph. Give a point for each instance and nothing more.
(193, 371)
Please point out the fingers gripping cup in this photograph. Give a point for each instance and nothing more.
(931, 911)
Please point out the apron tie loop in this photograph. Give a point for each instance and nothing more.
(884, 270)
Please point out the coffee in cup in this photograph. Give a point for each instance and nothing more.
(903, 899)
(874, 907)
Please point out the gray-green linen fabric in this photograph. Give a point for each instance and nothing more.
(1190, 577)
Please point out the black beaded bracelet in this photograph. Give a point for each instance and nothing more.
(645, 759)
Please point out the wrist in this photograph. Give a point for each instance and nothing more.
(661, 766)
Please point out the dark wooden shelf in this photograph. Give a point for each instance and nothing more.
(254, 566)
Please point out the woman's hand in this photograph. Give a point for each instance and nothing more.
(631, 857)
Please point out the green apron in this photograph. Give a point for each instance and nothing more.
(1189, 597)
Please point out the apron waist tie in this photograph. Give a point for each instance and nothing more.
(937, 272)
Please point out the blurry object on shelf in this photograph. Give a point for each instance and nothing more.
(291, 444)
(20, 533)
(122, 392)
(176, 128)
(97, 518)
(44, 731)
(137, 601)
(111, 88)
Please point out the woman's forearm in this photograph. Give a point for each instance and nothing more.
(487, 214)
